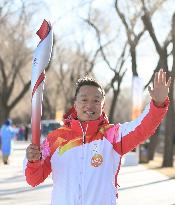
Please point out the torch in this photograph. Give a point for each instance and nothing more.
(40, 62)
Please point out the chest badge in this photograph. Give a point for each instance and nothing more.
(96, 160)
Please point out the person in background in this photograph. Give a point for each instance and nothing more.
(85, 154)
(21, 132)
(7, 133)
(26, 133)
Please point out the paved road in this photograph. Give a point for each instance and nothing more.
(141, 186)
(138, 185)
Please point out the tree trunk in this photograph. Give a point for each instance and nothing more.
(133, 59)
(169, 127)
(153, 144)
(4, 113)
(169, 132)
(168, 150)
(113, 105)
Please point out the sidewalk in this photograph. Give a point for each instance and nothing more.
(142, 186)
(138, 185)
(13, 188)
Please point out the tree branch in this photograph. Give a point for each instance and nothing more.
(148, 25)
(20, 95)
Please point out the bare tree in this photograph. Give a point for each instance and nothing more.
(15, 55)
(115, 82)
(163, 62)
(133, 37)
(130, 22)
(69, 65)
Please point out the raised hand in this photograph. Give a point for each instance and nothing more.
(160, 89)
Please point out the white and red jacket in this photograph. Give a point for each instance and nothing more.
(84, 158)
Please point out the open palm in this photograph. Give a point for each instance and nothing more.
(160, 89)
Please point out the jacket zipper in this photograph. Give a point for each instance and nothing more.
(84, 141)
(84, 133)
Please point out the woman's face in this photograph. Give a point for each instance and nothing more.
(89, 103)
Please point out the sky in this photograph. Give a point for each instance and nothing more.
(67, 24)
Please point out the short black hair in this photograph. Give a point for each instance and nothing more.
(88, 81)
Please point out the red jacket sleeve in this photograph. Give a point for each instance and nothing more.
(36, 172)
(137, 131)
